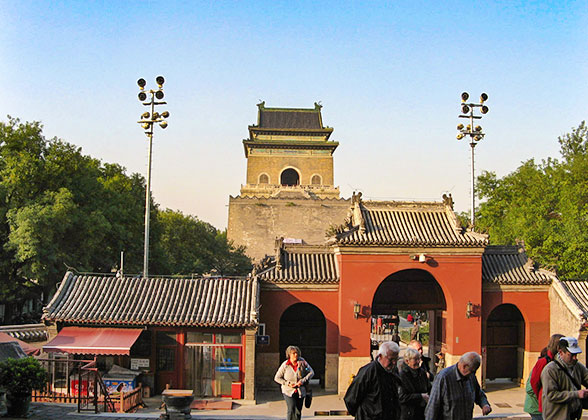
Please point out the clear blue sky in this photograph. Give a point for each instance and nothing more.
(389, 75)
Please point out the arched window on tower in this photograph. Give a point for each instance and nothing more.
(263, 179)
(316, 180)
(289, 177)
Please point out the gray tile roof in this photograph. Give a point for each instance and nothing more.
(11, 351)
(288, 119)
(302, 264)
(203, 302)
(510, 265)
(577, 291)
(26, 332)
(395, 223)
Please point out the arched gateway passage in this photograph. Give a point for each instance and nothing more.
(304, 325)
(414, 290)
(290, 177)
(505, 338)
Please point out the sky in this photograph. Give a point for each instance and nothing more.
(389, 75)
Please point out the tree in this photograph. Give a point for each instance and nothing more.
(543, 205)
(60, 208)
(191, 246)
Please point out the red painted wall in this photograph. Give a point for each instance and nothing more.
(274, 303)
(459, 276)
(534, 306)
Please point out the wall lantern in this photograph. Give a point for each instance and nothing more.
(356, 310)
(469, 309)
(422, 258)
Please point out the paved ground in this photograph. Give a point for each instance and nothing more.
(506, 399)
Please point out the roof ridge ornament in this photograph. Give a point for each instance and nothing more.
(279, 245)
(448, 203)
(448, 200)
(358, 219)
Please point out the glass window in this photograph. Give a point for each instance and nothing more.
(199, 337)
(228, 338)
(166, 359)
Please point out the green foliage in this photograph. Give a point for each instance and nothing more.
(21, 376)
(544, 206)
(190, 245)
(60, 208)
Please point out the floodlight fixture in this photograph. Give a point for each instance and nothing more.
(475, 133)
(148, 120)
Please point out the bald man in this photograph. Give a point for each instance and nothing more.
(455, 391)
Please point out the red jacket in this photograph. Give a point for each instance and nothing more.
(536, 376)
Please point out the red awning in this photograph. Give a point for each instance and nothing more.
(81, 340)
(27, 348)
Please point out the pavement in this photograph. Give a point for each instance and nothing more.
(506, 399)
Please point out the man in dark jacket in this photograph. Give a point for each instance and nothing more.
(373, 394)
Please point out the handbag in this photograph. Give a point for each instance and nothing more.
(584, 401)
(308, 398)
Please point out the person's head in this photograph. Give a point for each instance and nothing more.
(292, 353)
(469, 363)
(553, 345)
(417, 345)
(388, 355)
(569, 350)
(412, 358)
(543, 352)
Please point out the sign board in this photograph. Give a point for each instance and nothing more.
(263, 339)
(137, 364)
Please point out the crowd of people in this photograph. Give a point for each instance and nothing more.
(554, 387)
(386, 389)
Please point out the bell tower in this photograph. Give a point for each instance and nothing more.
(289, 191)
(289, 151)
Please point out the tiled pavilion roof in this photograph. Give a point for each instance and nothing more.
(202, 302)
(301, 264)
(405, 224)
(510, 265)
(26, 332)
(577, 292)
(289, 118)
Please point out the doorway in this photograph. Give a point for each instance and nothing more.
(505, 338)
(304, 325)
(290, 177)
(212, 362)
(419, 293)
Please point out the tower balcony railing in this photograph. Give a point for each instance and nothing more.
(268, 190)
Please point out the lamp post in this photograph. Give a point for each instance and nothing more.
(148, 120)
(475, 133)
